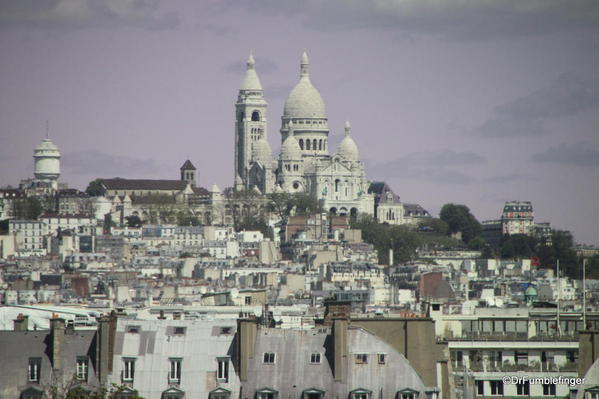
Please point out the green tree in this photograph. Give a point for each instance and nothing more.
(560, 247)
(95, 188)
(518, 245)
(186, 218)
(29, 208)
(477, 243)
(459, 219)
(133, 221)
(305, 204)
(280, 204)
(433, 225)
(592, 269)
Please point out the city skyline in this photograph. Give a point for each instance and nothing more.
(485, 104)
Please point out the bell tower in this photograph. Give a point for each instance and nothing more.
(250, 123)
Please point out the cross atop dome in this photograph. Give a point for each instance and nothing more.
(251, 63)
(305, 65)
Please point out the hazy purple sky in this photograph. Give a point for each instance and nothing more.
(466, 101)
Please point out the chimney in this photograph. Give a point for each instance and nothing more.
(247, 329)
(177, 316)
(105, 345)
(340, 325)
(57, 333)
(21, 323)
(161, 317)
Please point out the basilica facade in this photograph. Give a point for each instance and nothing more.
(305, 163)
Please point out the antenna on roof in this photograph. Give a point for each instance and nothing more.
(47, 129)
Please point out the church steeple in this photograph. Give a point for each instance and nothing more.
(251, 80)
(250, 122)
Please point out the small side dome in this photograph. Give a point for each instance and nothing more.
(261, 151)
(348, 148)
(291, 149)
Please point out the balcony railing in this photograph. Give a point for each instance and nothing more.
(506, 366)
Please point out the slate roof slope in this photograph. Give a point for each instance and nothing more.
(143, 184)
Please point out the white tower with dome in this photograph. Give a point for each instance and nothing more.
(46, 157)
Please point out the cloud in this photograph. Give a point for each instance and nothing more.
(525, 116)
(568, 95)
(508, 126)
(459, 19)
(107, 165)
(507, 178)
(443, 158)
(58, 15)
(430, 166)
(579, 154)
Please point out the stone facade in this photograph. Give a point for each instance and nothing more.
(304, 164)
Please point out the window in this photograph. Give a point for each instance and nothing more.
(179, 331)
(175, 372)
(226, 330)
(219, 393)
(361, 358)
(269, 357)
(222, 374)
(496, 387)
(315, 358)
(255, 116)
(128, 369)
(248, 300)
(521, 358)
(593, 394)
(173, 393)
(33, 371)
(266, 394)
(360, 394)
(313, 394)
(480, 387)
(32, 392)
(406, 395)
(549, 389)
(382, 358)
(82, 367)
(133, 329)
(523, 389)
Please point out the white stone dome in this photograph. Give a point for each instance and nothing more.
(305, 100)
(261, 151)
(348, 148)
(291, 149)
(46, 145)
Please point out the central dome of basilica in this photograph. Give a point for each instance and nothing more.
(304, 101)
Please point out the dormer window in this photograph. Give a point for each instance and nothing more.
(407, 394)
(360, 393)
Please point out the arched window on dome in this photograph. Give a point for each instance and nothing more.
(301, 143)
(308, 144)
(320, 144)
(337, 185)
(255, 116)
(314, 144)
